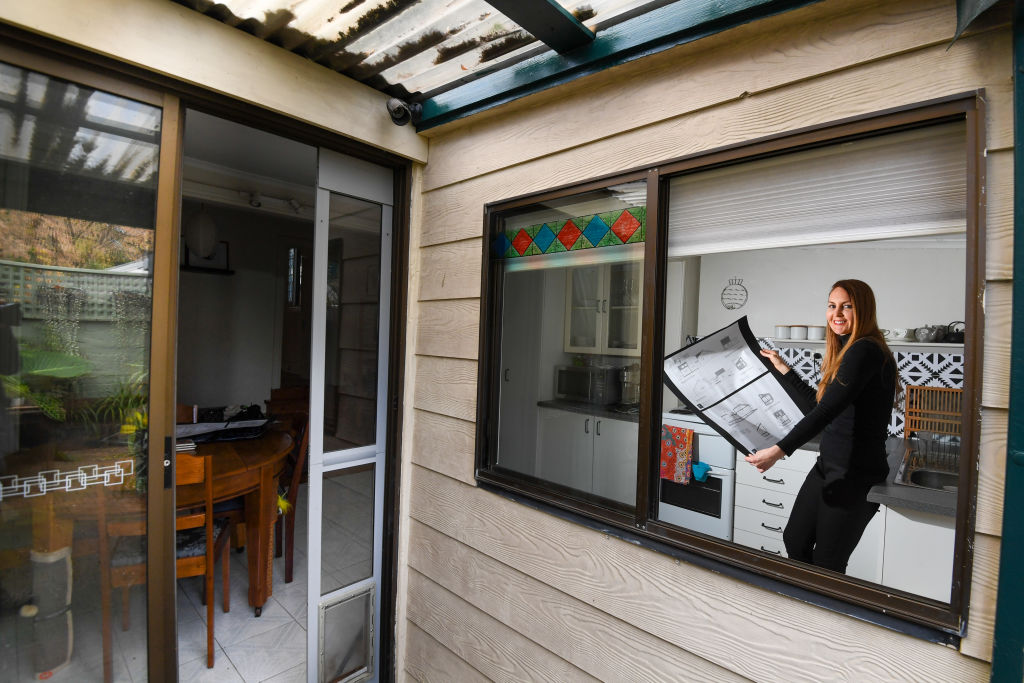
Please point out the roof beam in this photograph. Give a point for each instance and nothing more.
(547, 21)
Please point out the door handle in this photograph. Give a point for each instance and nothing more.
(776, 529)
(598, 428)
(774, 481)
(604, 305)
(507, 371)
(772, 505)
(586, 426)
(773, 552)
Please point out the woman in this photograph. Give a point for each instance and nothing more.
(851, 409)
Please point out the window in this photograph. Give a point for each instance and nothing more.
(590, 287)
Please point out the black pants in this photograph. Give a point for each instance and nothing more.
(827, 521)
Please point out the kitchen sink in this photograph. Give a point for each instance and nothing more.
(934, 479)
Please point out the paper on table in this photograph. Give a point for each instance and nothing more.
(723, 377)
(207, 427)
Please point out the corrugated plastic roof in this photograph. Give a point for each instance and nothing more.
(406, 48)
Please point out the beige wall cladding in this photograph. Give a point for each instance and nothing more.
(449, 328)
(752, 632)
(451, 271)
(445, 445)
(991, 471)
(430, 662)
(598, 643)
(446, 386)
(485, 643)
(984, 581)
(606, 608)
(995, 390)
(454, 212)
(999, 216)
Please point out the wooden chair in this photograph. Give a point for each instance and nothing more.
(195, 556)
(932, 409)
(291, 478)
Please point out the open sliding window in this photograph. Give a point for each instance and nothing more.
(756, 234)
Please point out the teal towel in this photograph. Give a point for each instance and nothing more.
(700, 471)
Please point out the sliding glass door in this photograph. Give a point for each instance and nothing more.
(348, 416)
(79, 169)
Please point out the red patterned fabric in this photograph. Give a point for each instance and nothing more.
(676, 454)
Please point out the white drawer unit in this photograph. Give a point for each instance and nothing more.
(761, 523)
(773, 546)
(775, 480)
(785, 477)
(764, 500)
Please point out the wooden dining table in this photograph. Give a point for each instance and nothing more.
(249, 468)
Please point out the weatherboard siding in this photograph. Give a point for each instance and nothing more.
(498, 590)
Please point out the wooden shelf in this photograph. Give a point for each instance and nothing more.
(930, 346)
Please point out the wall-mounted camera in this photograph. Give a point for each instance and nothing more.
(403, 112)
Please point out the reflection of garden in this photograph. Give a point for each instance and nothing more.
(84, 343)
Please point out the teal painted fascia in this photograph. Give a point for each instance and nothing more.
(1008, 640)
(660, 29)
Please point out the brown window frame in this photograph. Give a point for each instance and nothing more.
(947, 619)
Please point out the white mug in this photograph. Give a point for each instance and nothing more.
(782, 331)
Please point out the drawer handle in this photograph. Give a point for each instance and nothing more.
(774, 481)
(773, 552)
(776, 529)
(773, 505)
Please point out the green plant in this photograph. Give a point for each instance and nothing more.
(46, 380)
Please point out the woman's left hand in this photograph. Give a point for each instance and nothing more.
(765, 458)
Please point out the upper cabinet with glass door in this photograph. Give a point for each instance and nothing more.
(602, 309)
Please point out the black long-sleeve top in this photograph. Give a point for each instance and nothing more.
(852, 416)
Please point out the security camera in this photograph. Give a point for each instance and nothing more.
(403, 112)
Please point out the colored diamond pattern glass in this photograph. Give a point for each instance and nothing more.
(608, 229)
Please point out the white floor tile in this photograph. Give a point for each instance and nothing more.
(223, 671)
(269, 654)
(296, 675)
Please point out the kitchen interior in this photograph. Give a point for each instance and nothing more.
(570, 381)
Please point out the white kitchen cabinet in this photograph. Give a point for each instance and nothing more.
(765, 501)
(919, 552)
(602, 309)
(615, 443)
(590, 453)
(565, 445)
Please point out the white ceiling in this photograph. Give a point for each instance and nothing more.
(248, 150)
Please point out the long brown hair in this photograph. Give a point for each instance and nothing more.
(865, 326)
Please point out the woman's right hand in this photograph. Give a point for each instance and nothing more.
(776, 359)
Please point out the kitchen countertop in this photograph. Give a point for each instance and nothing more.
(911, 497)
(608, 412)
(895, 495)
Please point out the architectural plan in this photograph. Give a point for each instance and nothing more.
(730, 385)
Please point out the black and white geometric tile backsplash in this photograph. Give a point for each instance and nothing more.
(920, 368)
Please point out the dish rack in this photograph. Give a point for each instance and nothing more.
(932, 425)
(932, 409)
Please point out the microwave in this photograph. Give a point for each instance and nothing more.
(598, 385)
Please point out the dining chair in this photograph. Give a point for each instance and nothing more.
(123, 557)
(290, 480)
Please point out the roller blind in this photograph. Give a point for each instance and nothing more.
(902, 184)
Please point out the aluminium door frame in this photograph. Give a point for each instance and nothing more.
(374, 184)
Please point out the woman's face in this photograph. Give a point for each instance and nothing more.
(840, 314)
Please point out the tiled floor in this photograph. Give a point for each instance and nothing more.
(269, 648)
